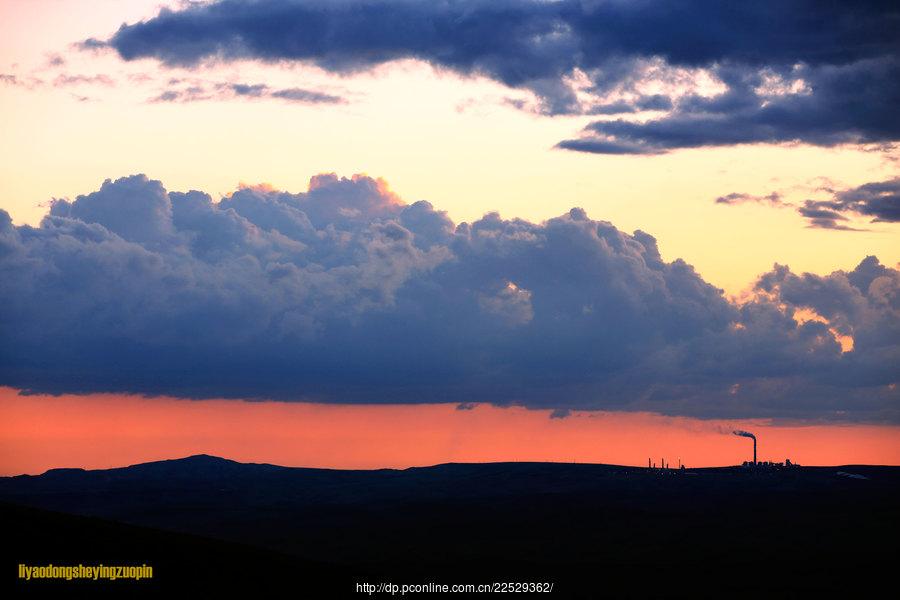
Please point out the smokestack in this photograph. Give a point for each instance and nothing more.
(749, 435)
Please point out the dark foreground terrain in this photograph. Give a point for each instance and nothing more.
(595, 531)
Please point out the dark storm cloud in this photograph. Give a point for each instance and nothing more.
(824, 215)
(654, 102)
(847, 104)
(797, 70)
(878, 201)
(344, 293)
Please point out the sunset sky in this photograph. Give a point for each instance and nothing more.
(645, 223)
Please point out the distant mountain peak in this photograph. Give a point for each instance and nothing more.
(203, 458)
(64, 471)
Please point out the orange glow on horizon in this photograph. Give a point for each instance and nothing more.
(104, 430)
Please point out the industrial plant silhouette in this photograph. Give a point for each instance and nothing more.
(750, 464)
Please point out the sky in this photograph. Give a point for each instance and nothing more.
(611, 211)
(106, 431)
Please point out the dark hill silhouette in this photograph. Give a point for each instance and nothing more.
(810, 530)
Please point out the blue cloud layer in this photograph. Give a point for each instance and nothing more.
(878, 200)
(344, 293)
(845, 57)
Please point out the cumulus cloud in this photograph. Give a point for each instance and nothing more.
(797, 70)
(345, 293)
(863, 303)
